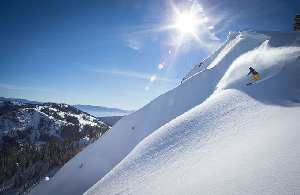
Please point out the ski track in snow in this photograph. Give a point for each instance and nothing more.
(211, 134)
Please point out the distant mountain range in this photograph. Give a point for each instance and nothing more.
(20, 100)
(110, 120)
(85, 108)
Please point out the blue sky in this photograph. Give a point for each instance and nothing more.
(118, 53)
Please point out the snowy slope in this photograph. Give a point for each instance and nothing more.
(230, 144)
(215, 119)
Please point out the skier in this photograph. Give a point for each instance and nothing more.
(255, 74)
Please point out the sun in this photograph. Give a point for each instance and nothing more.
(186, 23)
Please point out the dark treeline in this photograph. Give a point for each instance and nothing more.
(297, 22)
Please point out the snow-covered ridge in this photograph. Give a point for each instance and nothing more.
(34, 121)
(92, 110)
(188, 140)
(256, 38)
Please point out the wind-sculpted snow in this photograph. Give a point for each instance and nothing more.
(230, 144)
(211, 134)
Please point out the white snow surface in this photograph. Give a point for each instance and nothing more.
(211, 134)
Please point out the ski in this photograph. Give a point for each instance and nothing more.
(249, 83)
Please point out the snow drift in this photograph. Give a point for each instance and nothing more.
(210, 135)
(230, 144)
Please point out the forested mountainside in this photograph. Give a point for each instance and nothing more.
(38, 139)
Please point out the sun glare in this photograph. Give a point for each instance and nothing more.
(186, 23)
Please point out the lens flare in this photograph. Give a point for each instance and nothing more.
(152, 79)
(160, 66)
